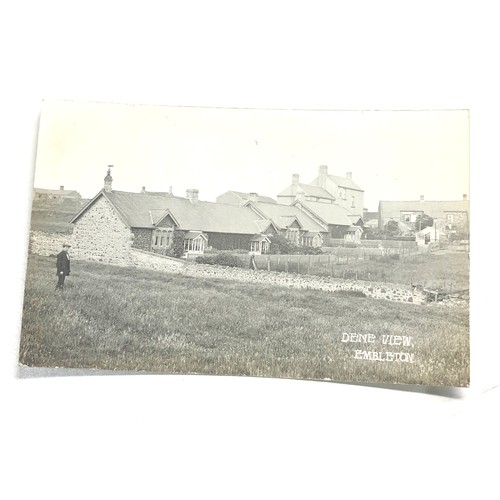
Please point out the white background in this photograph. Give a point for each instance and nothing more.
(151, 436)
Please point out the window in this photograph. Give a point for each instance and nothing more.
(353, 202)
(406, 218)
(450, 218)
(194, 245)
(293, 235)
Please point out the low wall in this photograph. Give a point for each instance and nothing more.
(47, 244)
(394, 292)
(51, 244)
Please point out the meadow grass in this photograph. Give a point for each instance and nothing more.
(446, 271)
(134, 319)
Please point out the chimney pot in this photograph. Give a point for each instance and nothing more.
(192, 195)
(108, 180)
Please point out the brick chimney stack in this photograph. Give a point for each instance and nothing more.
(464, 197)
(143, 190)
(253, 197)
(421, 197)
(108, 180)
(192, 195)
(348, 175)
(61, 188)
(323, 174)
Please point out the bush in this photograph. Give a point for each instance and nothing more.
(283, 246)
(221, 259)
(177, 248)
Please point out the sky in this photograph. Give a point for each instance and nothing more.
(393, 155)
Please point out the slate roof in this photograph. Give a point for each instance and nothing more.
(308, 190)
(143, 210)
(330, 213)
(436, 209)
(344, 182)
(60, 192)
(283, 214)
(246, 197)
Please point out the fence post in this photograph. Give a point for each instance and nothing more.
(309, 265)
(268, 263)
(298, 265)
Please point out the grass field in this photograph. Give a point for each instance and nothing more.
(130, 319)
(443, 270)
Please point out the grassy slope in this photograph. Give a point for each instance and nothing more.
(55, 217)
(130, 319)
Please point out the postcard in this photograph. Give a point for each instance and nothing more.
(304, 244)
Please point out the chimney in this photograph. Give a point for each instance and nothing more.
(323, 172)
(295, 184)
(464, 197)
(61, 188)
(348, 175)
(253, 197)
(108, 180)
(192, 195)
(170, 193)
(143, 190)
(421, 197)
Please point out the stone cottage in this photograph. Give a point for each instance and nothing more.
(113, 222)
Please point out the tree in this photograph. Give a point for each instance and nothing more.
(422, 221)
(392, 228)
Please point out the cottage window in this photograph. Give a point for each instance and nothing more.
(293, 235)
(353, 202)
(450, 218)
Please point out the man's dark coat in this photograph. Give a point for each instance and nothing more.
(63, 263)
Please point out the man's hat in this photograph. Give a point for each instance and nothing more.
(66, 245)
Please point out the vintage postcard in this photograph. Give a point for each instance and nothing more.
(305, 244)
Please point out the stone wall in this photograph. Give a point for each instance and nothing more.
(48, 243)
(142, 238)
(157, 262)
(100, 235)
(386, 291)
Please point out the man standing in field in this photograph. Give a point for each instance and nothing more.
(63, 269)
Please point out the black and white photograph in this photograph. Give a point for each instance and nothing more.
(327, 245)
(249, 250)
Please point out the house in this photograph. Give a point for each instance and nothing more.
(430, 234)
(334, 218)
(328, 189)
(113, 222)
(306, 192)
(450, 216)
(353, 234)
(346, 192)
(55, 195)
(239, 198)
(291, 222)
